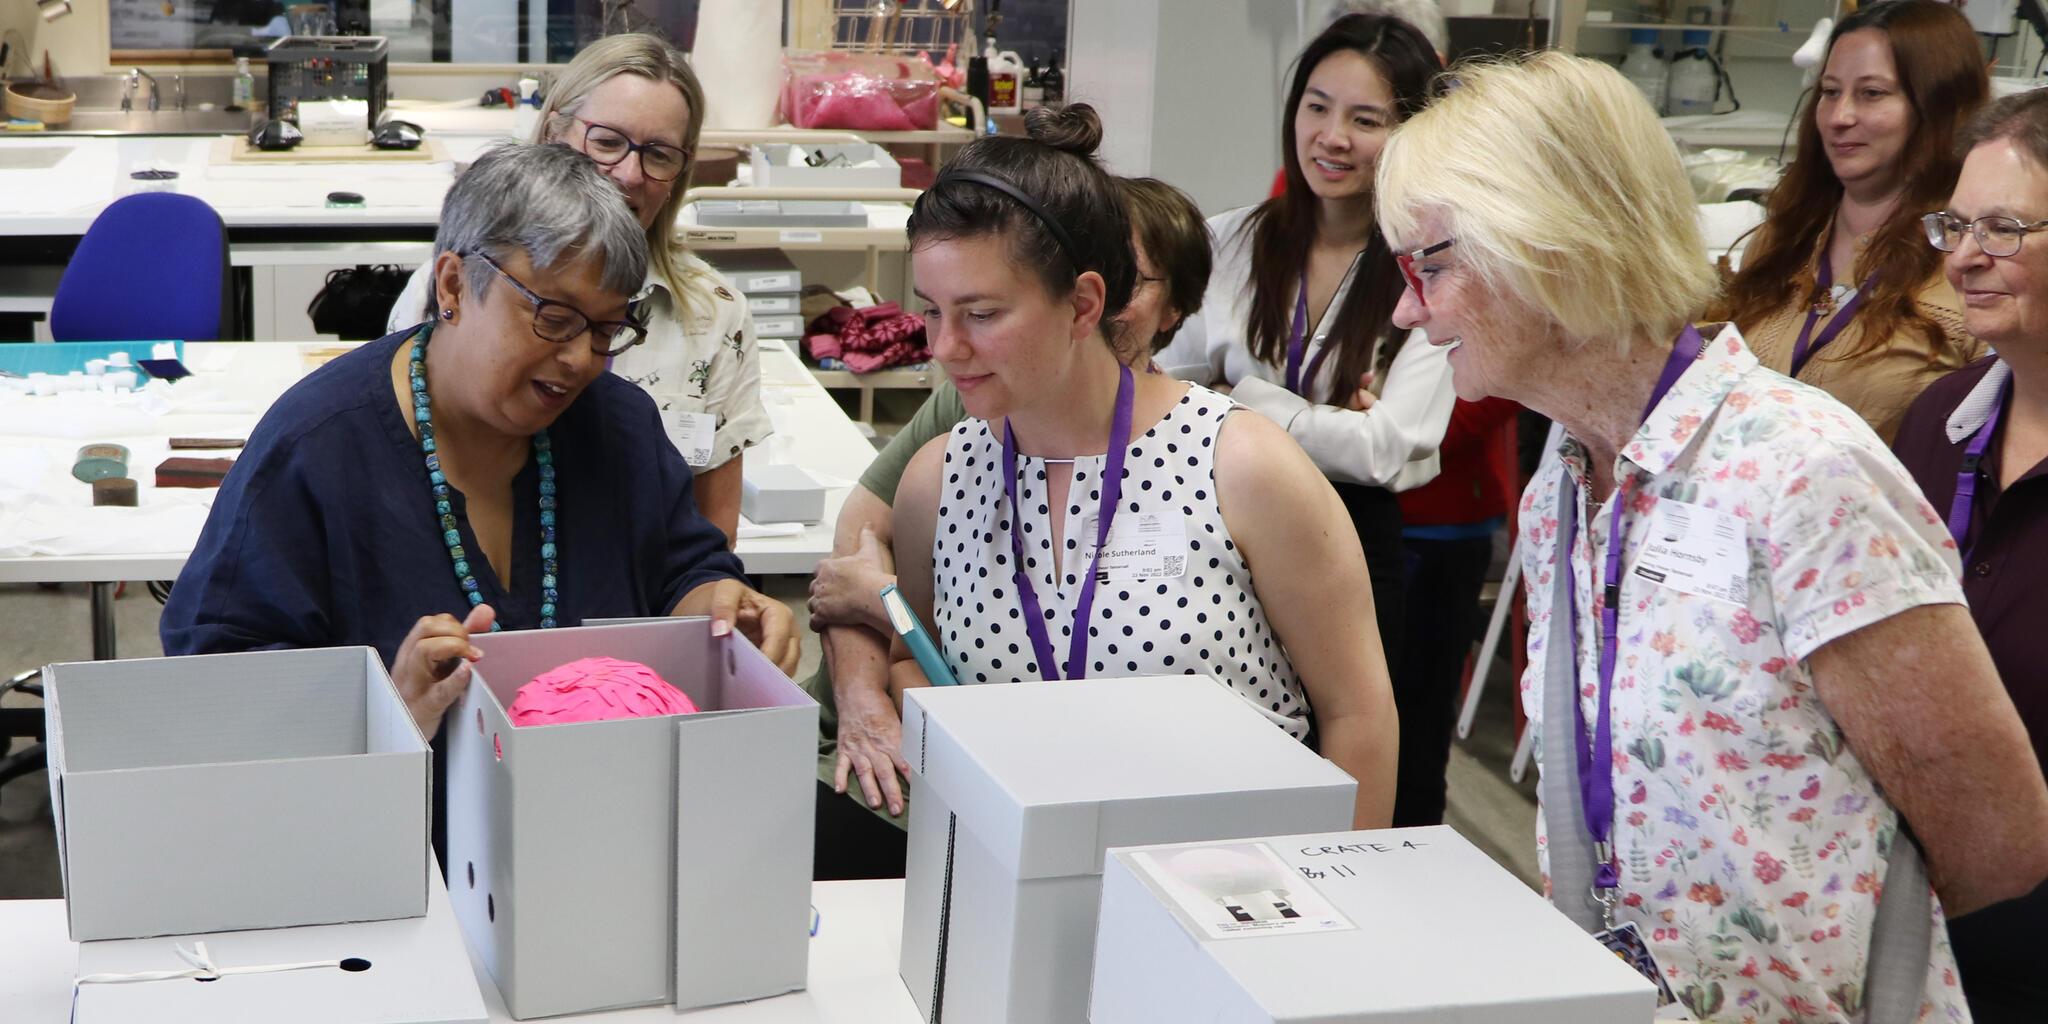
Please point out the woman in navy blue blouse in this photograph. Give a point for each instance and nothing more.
(479, 472)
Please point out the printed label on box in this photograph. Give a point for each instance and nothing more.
(1238, 891)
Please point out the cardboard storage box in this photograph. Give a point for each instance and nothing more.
(773, 492)
(1019, 790)
(1413, 925)
(410, 971)
(774, 305)
(763, 271)
(263, 790)
(634, 861)
(772, 168)
(784, 327)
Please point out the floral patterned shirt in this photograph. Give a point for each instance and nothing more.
(1750, 837)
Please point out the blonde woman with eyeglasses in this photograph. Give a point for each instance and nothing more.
(632, 105)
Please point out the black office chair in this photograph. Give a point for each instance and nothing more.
(22, 722)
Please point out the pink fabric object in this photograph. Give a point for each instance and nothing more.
(596, 690)
(870, 339)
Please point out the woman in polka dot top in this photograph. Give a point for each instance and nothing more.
(1126, 535)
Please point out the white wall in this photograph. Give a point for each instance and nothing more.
(1189, 90)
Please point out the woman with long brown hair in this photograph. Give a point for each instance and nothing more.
(1298, 321)
(1838, 287)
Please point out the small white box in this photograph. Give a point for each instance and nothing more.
(841, 167)
(636, 861)
(417, 972)
(774, 492)
(1020, 788)
(783, 327)
(270, 789)
(1412, 925)
(758, 271)
(774, 305)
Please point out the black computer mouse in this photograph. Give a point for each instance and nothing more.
(395, 134)
(275, 134)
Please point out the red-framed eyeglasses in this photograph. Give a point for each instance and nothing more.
(1407, 262)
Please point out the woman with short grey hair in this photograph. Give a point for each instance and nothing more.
(479, 471)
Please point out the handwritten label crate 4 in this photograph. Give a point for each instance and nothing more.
(1019, 789)
(635, 861)
(270, 789)
(1413, 925)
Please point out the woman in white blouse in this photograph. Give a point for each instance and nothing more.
(632, 104)
(1298, 320)
(1759, 695)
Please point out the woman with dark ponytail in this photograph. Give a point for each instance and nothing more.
(1087, 520)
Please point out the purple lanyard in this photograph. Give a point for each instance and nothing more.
(1297, 342)
(1035, 624)
(1596, 787)
(1959, 507)
(1801, 351)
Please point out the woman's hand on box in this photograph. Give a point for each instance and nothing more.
(431, 669)
(762, 619)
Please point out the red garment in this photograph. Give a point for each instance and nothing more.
(1478, 481)
(868, 339)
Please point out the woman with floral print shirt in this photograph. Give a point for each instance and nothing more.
(631, 103)
(1775, 668)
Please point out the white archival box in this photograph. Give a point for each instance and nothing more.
(1427, 930)
(636, 861)
(1019, 790)
(418, 973)
(775, 492)
(269, 789)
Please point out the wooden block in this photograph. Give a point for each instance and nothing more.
(114, 490)
(184, 472)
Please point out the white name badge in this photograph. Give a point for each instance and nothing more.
(693, 433)
(1141, 546)
(1697, 550)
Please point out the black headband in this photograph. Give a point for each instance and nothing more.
(1059, 234)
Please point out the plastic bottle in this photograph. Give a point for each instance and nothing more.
(1644, 68)
(1695, 77)
(1034, 86)
(1053, 83)
(1005, 81)
(526, 110)
(245, 85)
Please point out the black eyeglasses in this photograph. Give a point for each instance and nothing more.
(1997, 236)
(560, 322)
(607, 146)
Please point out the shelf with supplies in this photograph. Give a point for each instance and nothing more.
(1727, 21)
(906, 379)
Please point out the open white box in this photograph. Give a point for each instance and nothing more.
(637, 861)
(772, 168)
(270, 789)
(1019, 790)
(1412, 925)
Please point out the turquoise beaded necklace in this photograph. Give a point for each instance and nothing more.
(543, 455)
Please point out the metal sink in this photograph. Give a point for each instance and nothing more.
(161, 122)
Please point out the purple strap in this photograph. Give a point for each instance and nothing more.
(1297, 343)
(1597, 750)
(1112, 490)
(1801, 350)
(1961, 506)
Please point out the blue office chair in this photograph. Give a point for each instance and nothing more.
(153, 266)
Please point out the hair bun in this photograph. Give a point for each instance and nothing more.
(1069, 127)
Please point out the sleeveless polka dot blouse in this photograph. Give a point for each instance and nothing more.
(1206, 620)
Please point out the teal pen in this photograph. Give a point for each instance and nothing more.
(913, 634)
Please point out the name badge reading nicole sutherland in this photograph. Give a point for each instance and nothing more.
(692, 433)
(1697, 550)
(1141, 546)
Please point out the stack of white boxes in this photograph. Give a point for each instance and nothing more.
(773, 287)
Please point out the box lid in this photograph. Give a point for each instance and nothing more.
(1050, 774)
(1436, 924)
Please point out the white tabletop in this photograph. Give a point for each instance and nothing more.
(852, 968)
(235, 382)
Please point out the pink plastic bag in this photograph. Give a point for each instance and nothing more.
(860, 92)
